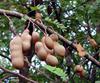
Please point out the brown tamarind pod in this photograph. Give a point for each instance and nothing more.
(16, 52)
(42, 54)
(26, 40)
(49, 51)
(38, 45)
(59, 49)
(49, 42)
(54, 37)
(51, 60)
(35, 37)
(46, 48)
(79, 70)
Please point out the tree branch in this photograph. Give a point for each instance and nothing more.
(17, 74)
(42, 26)
(11, 27)
(38, 70)
(11, 13)
(5, 77)
(5, 57)
(93, 60)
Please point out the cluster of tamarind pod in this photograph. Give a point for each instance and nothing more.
(19, 47)
(45, 48)
(48, 47)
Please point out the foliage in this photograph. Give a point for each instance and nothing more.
(79, 19)
(57, 71)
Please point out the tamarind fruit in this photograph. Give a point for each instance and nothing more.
(17, 57)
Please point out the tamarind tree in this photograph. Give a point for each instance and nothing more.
(69, 52)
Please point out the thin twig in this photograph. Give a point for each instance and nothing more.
(5, 77)
(17, 74)
(28, 25)
(41, 72)
(38, 27)
(11, 13)
(5, 57)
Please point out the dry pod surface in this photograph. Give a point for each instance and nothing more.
(18, 63)
(49, 51)
(59, 49)
(43, 39)
(38, 45)
(49, 42)
(46, 48)
(26, 40)
(54, 37)
(51, 60)
(35, 37)
(16, 52)
(42, 54)
(78, 68)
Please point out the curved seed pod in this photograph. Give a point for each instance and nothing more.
(54, 37)
(16, 53)
(78, 68)
(49, 51)
(59, 49)
(51, 60)
(38, 45)
(42, 54)
(49, 42)
(26, 40)
(35, 37)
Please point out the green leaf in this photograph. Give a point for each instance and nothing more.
(35, 8)
(57, 71)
